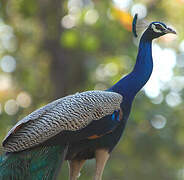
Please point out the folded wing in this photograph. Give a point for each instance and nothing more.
(70, 113)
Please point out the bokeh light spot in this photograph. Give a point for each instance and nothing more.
(69, 39)
(159, 121)
(8, 64)
(100, 73)
(23, 99)
(158, 99)
(9, 42)
(7, 37)
(68, 21)
(75, 3)
(91, 17)
(5, 82)
(11, 107)
(140, 9)
(176, 84)
(111, 69)
(122, 4)
(173, 99)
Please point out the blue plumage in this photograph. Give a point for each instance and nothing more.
(78, 141)
(128, 87)
(115, 116)
(133, 82)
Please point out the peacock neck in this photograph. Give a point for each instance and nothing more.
(134, 81)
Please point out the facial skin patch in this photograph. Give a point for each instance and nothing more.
(158, 28)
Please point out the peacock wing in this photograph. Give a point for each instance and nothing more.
(70, 113)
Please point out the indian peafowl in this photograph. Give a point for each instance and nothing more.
(77, 127)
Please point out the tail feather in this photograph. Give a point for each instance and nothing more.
(35, 164)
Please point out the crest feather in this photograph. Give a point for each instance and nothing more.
(138, 25)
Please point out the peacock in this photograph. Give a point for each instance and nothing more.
(77, 127)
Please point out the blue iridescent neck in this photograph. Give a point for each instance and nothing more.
(134, 81)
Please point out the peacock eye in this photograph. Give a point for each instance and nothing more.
(159, 27)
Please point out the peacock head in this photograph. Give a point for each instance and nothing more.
(157, 29)
(153, 30)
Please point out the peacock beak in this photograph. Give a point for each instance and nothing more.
(169, 30)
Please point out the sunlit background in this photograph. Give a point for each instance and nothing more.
(49, 49)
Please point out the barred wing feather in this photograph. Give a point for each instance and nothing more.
(70, 113)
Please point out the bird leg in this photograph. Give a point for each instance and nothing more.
(75, 167)
(102, 156)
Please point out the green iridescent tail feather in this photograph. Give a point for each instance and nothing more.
(35, 164)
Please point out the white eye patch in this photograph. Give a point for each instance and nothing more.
(155, 29)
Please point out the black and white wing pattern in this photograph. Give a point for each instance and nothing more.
(70, 113)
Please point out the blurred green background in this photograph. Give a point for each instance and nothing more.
(52, 48)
